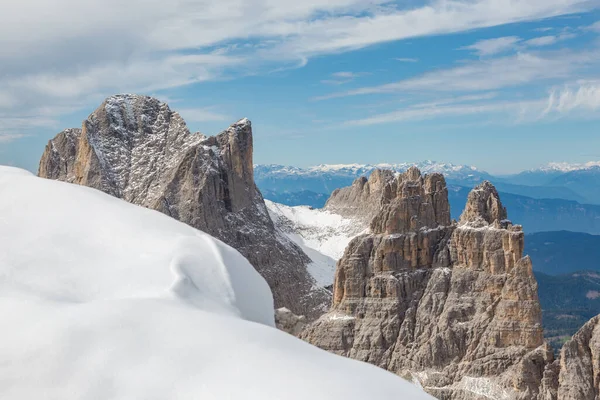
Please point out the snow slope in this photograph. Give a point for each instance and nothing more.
(322, 235)
(101, 299)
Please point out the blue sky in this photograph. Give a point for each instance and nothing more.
(505, 85)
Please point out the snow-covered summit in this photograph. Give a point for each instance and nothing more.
(567, 167)
(102, 299)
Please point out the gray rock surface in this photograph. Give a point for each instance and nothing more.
(452, 307)
(364, 199)
(579, 376)
(58, 158)
(136, 148)
(289, 322)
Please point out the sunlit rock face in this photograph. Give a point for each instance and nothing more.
(452, 306)
(576, 375)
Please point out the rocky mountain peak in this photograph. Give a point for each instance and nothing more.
(60, 151)
(484, 206)
(451, 307)
(413, 173)
(411, 202)
(138, 149)
(379, 179)
(362, 200)
(129, 145)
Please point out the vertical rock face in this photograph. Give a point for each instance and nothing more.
(579, 377)
(453, 307)
(58, 158)
(364, 199)
(389, 202)
(136, 148)
(411, 202)
(484, 206)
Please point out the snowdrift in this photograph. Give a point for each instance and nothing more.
(101, 299)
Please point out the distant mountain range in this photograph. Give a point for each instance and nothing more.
(326, 178)
(576, 182)
(584, 180)
(553, 198)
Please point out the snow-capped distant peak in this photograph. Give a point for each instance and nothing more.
(448, 169)
(568, 167)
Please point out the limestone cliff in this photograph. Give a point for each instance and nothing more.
(364, 199)
(576, 375)
(579, 376)
(453, 307)
(136, 148)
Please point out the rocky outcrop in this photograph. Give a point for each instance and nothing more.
(410, 202)
(289, 322)
(136, 148)
(484, 206)
(364, 199)
(452, 306)
(58, 158)
(392, 202)
(576, 376)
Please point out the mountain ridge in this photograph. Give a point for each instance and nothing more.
(325, 178)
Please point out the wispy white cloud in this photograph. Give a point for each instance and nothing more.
(489, 47)
(81, 51)
(418, 112)
(154, 44)
(522, 69)
(13, 128)
(9, 137)
(583, 97)
(548, 40)
(456, 100)
(594, 27)
(541, 41)
(346, 75)
(407, 60)
(494, 46)
(342, 77)
(579, 100)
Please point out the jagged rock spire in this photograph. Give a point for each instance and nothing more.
(451, 306)
(411, 202)
(390, 202)
(484, 205)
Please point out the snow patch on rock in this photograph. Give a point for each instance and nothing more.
(321, 234)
